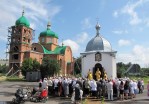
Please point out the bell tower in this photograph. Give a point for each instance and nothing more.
(20, 41)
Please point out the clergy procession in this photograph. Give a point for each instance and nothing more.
(99, 88)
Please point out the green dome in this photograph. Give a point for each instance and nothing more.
(22, 21)
(48, 32)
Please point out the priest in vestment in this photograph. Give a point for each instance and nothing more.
(98, 73)
(90, 76)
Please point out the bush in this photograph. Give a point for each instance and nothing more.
(4, 69)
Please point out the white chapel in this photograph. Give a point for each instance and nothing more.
(99, 55)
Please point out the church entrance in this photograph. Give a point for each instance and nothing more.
(98, 65)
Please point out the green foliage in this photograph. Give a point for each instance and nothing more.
(49, 67)
(121, 68)
(102, 100)
(4, 68)
(77, 66)
(29, 65)
(145, 71)
(146, 79)
(84, 101)
(15, 78)
(36, 65)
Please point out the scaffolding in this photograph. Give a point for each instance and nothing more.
(8, 42)
(9, 51)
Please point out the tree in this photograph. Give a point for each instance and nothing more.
(49, 67)
(77, 66)
(4, 68)
(36, 65)
(121, 68)
(145, 71)
(29, 65)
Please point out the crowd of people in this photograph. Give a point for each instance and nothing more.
(76, 88)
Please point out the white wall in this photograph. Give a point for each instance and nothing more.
(108, 63)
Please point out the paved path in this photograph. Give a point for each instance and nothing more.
(7, 90)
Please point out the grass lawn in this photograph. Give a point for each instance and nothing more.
(146, 79)
(13, 78)
(2, 78)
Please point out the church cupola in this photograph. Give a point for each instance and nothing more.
(98, 43)
(48, 36)
(22, 21)
(48, 32)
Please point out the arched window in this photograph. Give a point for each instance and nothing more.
(42, 40)
(60, 62)
(15, 49)
(34, 49)
(28, 40)
(19, 30)
(24, 31)
(50, 40)
(15, 56)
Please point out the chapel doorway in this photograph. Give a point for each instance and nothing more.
(98, 65)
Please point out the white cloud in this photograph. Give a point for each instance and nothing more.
(124, 42)
(130, 9)
(32, 12)
(119, 32)
(125, 57)
(82, 37)
(142, 52)
(115, 14)
(33, 26)
(86, 23)
(74, 46)
(139, 55)
(36, 11)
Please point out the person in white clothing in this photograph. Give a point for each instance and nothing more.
(135, 88)
(110, 90)
(45, 84)
(73, 97)
(50, 86)
(56, 86)
(131, 89)
(93, 85)
(117, 86)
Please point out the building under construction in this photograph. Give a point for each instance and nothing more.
(20, 46)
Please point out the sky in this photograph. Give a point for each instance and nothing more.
(124, 23)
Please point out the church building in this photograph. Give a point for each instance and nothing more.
(99, 55)
(21, 46)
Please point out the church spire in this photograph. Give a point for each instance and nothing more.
(97, 29)
(23, 11)
(48, 25)
(62, 43)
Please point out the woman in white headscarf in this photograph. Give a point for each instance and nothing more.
(45, 84)
(66, 87)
